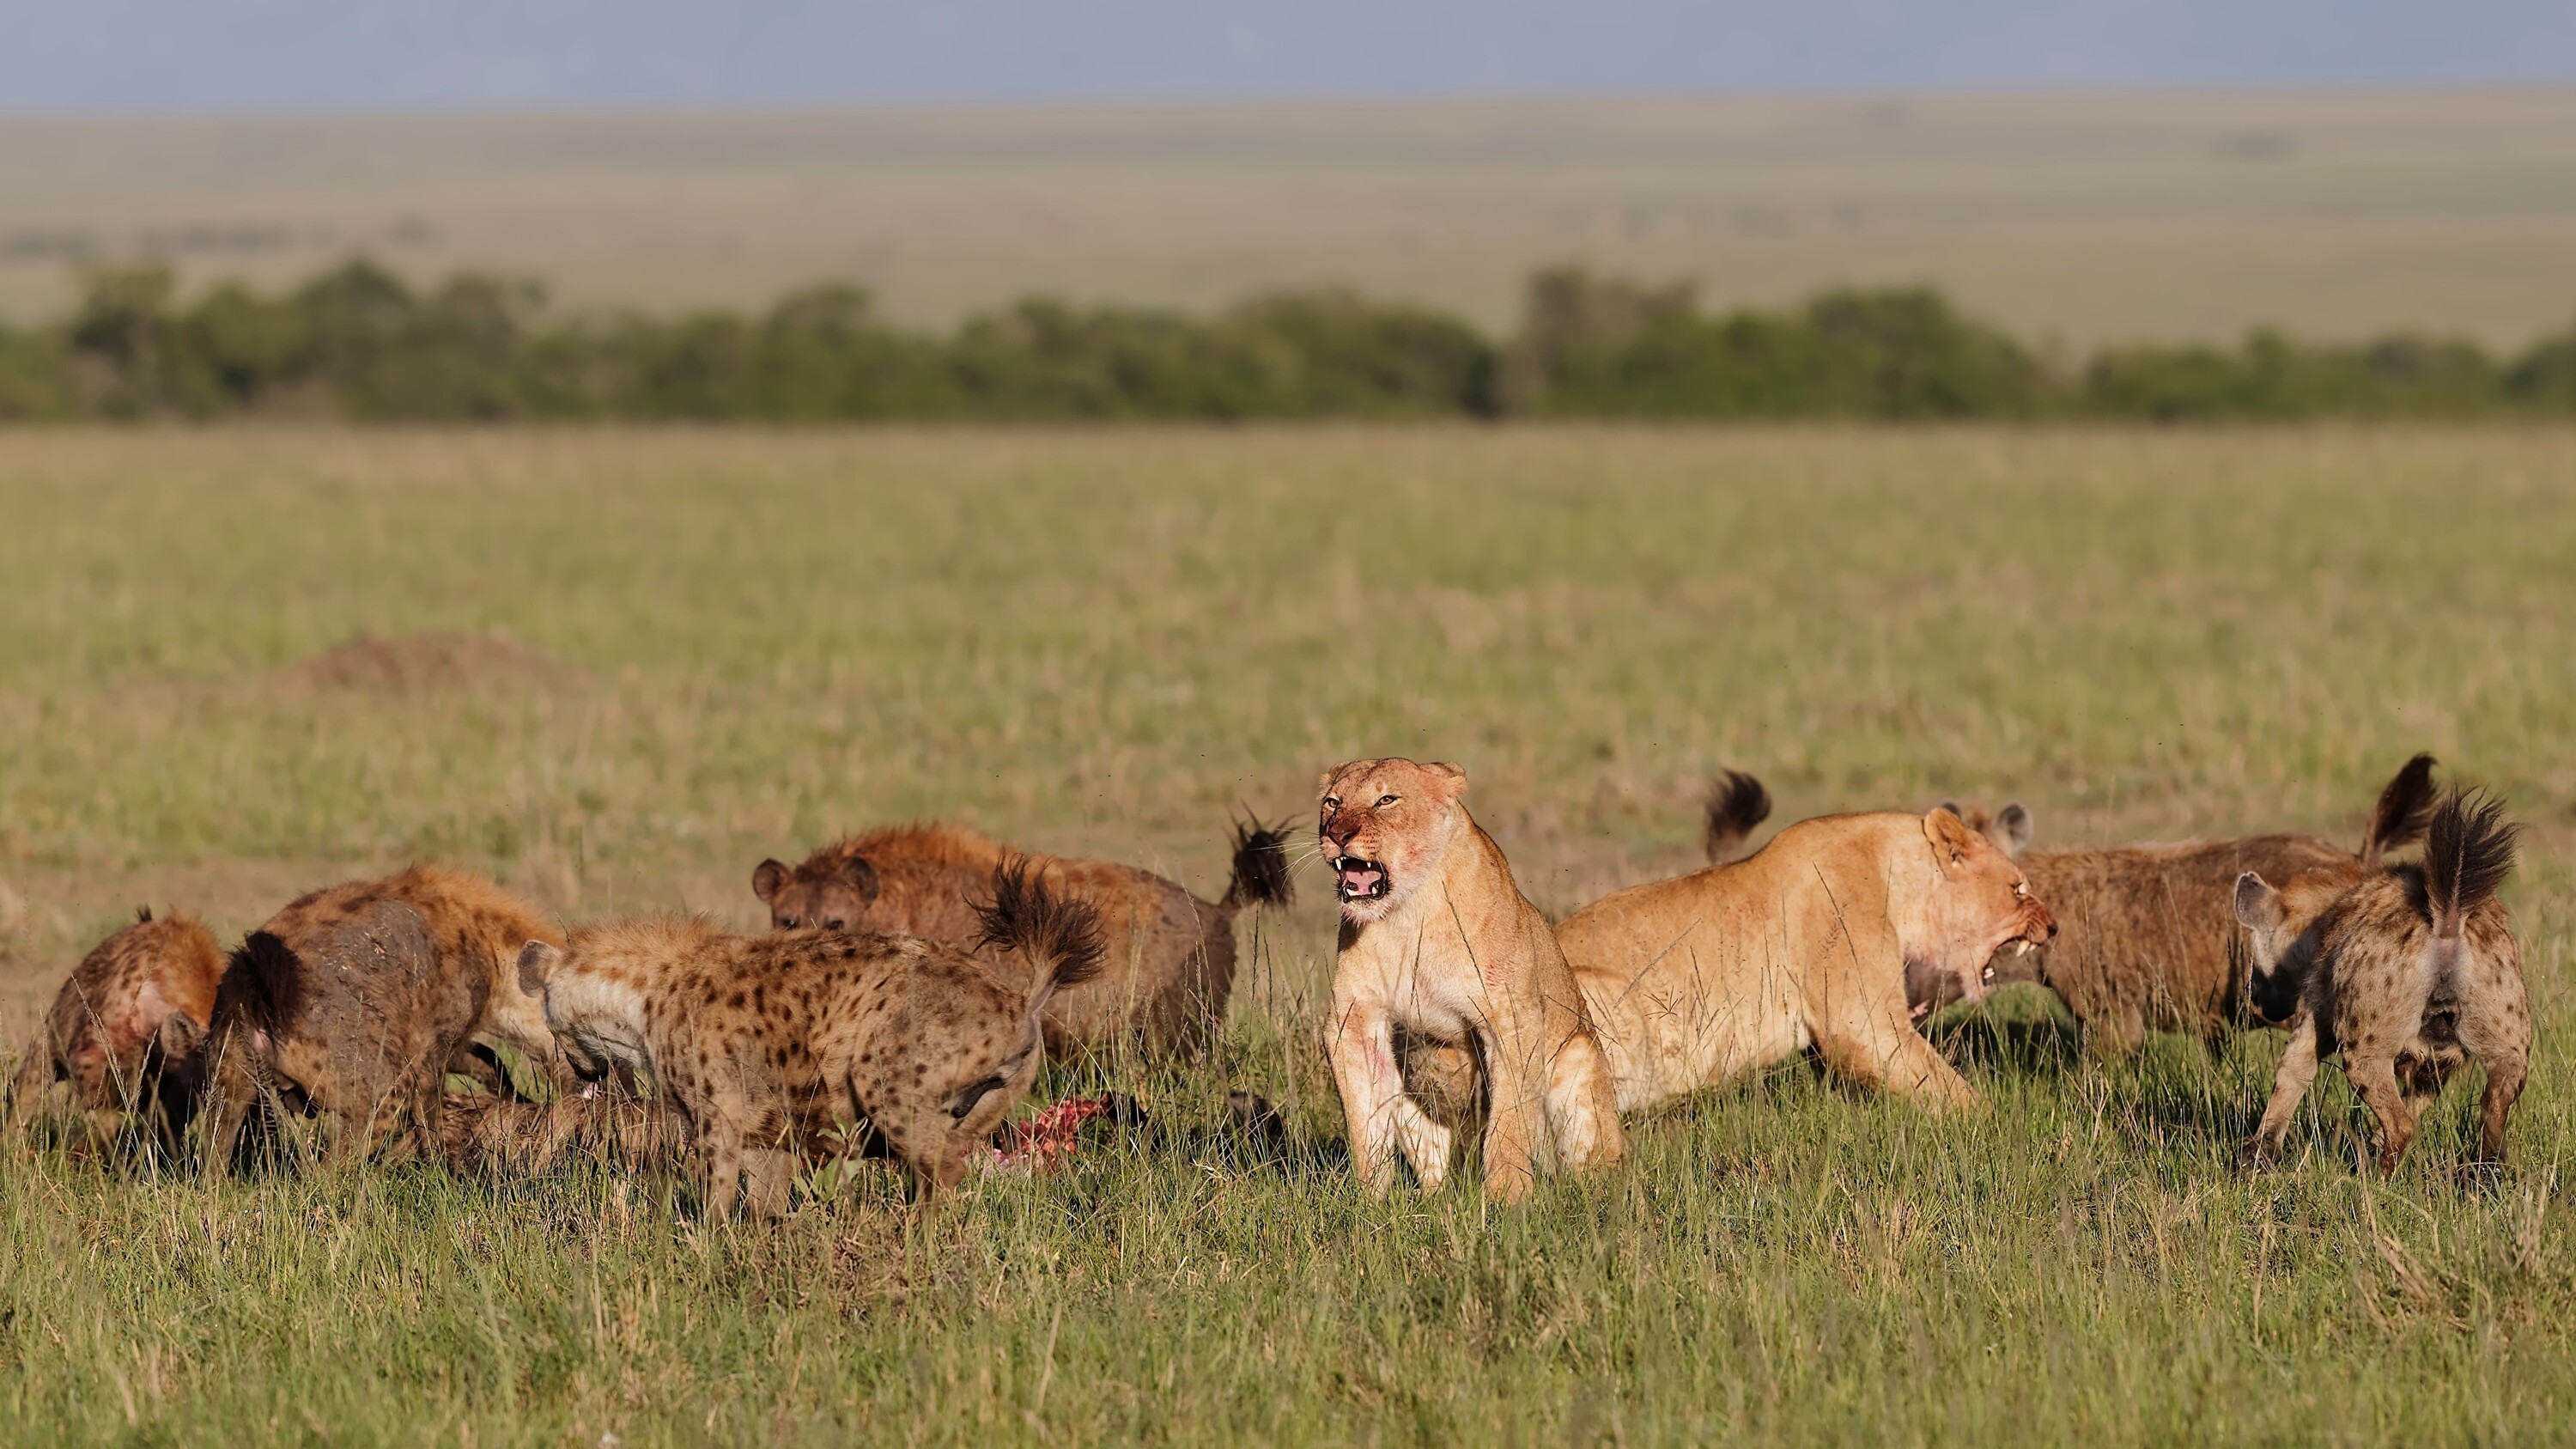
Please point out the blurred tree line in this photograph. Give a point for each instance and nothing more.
(360, 342)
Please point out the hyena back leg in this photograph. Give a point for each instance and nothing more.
(2373, 1074)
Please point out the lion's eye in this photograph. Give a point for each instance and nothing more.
(1332, 803)
(787, 923)
(1384, 801)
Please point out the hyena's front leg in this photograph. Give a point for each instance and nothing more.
(2289, 1087)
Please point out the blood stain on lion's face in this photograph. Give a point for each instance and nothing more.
(1382, 826)
(1983, 905)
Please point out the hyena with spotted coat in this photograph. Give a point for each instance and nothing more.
(356, 1000)
(122, 1028)
(2407, 975)
(1167, 957)
(2147, 935)
(765, 1044)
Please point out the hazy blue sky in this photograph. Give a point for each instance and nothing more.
(302, 55)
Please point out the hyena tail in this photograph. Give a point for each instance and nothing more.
(263, 985)
(1058, 935)
(1736, 803)
(2404, 811)
(1261, 876)
(2468, 851)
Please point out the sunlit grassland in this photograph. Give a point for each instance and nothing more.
(1103, 642)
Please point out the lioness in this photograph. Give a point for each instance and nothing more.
(1807, 942)
(1438, 941)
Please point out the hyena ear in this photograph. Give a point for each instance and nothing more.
(2258, 905)
(1950, 836)
(537, 961)
(767, 878)
(861, 876)
(1452, 780)
(2010, 830)
(180, 1037)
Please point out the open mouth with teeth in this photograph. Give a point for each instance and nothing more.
(1355, 879)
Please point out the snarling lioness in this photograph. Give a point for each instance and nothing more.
(1702, 978)
(1438, 942)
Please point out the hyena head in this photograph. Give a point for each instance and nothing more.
(2281, 934)
(2009, 828)
(957, 1044)
(830, 891)
(595, 987)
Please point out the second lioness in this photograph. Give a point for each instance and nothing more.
(1807, 943)
(1167, 957)
(764, 1043)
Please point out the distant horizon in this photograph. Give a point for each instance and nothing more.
(295, 58)
(1280, 101)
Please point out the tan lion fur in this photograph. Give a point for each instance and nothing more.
(110, 1032)
(764, 1044)
(1699, 979)
(1168, 958)
(1439, 944)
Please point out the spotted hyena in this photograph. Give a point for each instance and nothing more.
(767, 1045)
(2407, 975)
(2147, 936)
(1168, 958)
(123, 1025)
(358, 999)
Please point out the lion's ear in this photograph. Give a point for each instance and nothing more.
(766, 880)
(1950, 836)
(2010, 829)
(1453, 781)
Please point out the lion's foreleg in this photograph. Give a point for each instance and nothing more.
(1383, 1121)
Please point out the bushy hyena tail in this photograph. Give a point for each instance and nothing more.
(1736, 804)
(263, 985)
(2404, 811)
(1059, 936)
(1261, 875)
(2468, 851)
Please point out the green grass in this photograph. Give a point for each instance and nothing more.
(1102, 641)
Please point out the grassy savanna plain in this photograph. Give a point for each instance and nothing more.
(698, 649)
(2080, 219)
